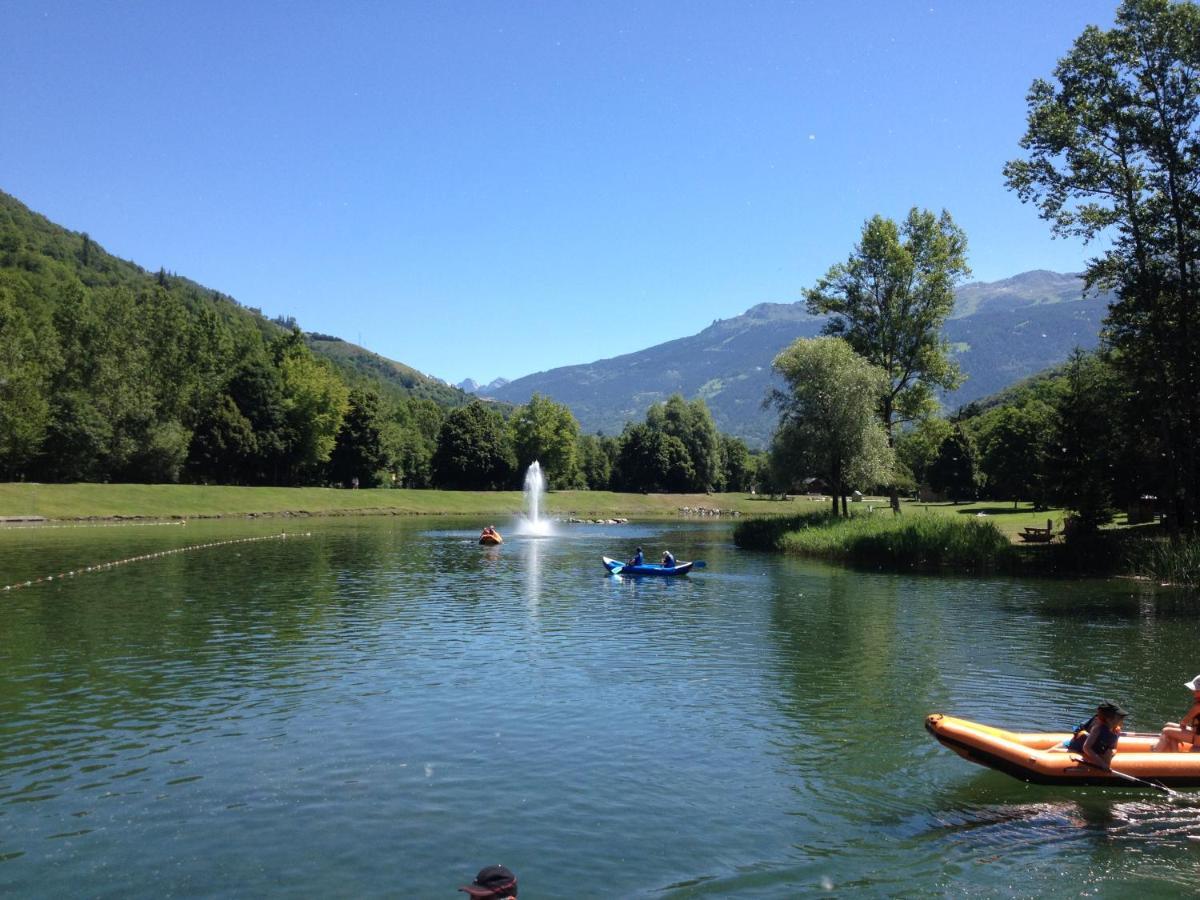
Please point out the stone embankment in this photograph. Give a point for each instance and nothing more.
(577, 521)
(707, 512)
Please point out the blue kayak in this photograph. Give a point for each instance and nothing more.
(616, 567)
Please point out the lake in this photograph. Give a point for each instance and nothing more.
(379, 707)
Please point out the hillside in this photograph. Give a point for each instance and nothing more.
(112, 373)
(1000, 333)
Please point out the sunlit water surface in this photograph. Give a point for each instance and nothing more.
(382, 707)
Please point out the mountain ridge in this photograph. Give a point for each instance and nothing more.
(999, 332)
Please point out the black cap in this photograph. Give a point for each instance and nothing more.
(1111, 708)
(492, 881)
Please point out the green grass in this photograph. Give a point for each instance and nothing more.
(164, 501)
(915, 541)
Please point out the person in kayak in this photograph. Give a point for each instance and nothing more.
(492, 883)
(1096, 739)
(668, 560)
(638, 559)
(1181, 736)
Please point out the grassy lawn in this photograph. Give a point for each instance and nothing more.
(163, 501)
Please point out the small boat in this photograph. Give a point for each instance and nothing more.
(616, 567)
(1029, 757)
(491, 538)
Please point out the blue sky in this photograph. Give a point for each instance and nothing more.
(491, 189)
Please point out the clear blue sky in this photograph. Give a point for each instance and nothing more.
(490, 189)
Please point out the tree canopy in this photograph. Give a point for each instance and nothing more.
(829, 425)
(1113, 150)
(889, 301)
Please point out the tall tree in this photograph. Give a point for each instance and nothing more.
(828, 424)
(474, 450)
(889, 301)
(1113, 145)
(547, 432)
(955, 471)
(692, 424)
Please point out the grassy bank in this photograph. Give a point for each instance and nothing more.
(913, 542)
(937, 541)
(164, 501)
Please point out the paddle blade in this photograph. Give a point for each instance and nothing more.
(699, 564)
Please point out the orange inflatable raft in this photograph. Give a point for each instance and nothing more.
(1029, 757)
(491, 539)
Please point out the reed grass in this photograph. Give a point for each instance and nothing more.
(1170, 561)
(921, 542)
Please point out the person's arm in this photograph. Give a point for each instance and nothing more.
(1190, 717)
(1089, 752)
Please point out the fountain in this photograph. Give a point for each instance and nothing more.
(535, 488)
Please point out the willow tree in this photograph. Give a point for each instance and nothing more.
(889, 301)
(1113, 145)
(828, 425)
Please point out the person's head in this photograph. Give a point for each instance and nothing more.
(1111, 712)
(1194, 685)
(492, 883)
(639, 550)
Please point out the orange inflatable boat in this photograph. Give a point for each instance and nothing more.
(1029, 757)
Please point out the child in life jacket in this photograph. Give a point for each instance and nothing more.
(1096, 739)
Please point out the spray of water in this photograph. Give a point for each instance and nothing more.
(535, 489)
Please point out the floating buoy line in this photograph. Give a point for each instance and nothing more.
(101, 567)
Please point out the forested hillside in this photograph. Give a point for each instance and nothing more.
(111, 373)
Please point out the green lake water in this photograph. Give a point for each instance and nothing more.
(378, 707)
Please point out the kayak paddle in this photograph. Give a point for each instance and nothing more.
(1150, 784)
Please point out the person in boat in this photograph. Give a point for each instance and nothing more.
(1096, 739)
(668, 560)
(489, 531)
(638, 559)
(1181, 736)
(492, 883)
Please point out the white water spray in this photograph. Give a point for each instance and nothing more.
(535, 488)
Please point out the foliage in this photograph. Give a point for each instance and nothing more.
(917, 446)
(692, 424)
(597, 456)
(1113, 148)
(828, 426)
(889, 301)
(474, 451)
(649, 460)
(110, 373)
(953, 471)
(546, 431)
(1082, 462)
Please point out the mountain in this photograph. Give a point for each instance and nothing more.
(471, 386)
(1000, 332)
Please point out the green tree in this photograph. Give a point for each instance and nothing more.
(650, 460)
(737, 467)
(474, 451)
(315, 401)
(546, 431)
(889, 301)
(954, 470)
(917, 446)
(1085, 453)
(28, 355)
(828, 423)
(692, 424)
(364, 448)
(1113, 144)
(1014, 441)
(597, 455)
